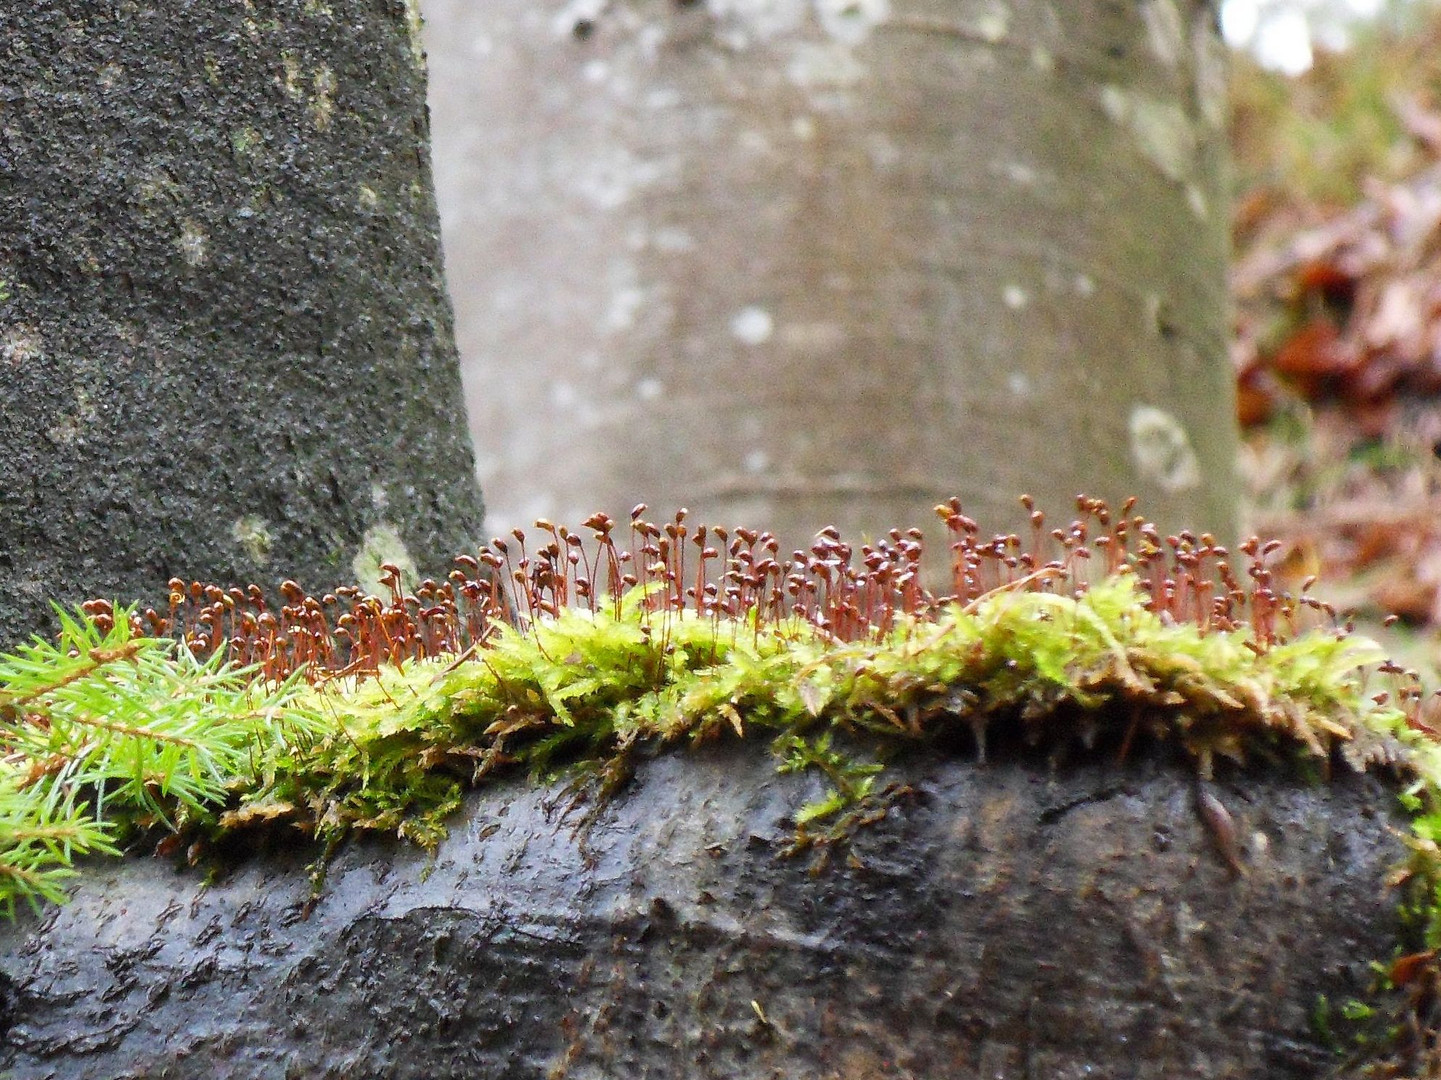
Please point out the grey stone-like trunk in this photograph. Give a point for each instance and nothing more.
(225, 345)
(793, 263)
(1016, 919)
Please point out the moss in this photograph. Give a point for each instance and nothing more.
(113, 731)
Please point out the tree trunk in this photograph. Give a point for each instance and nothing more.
(225, 343)
(1017, 919)
(792, 263)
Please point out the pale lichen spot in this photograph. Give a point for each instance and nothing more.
(1084, 284)
(818, 66)
(1196, 200)
(573, 15)
(649, 389)
(67, 429)
(212, 71)
(993, 22)
(379, 497)
(1015, 297)
(1019, 173)
(366, 197)
(381, 544)
(851, 21)
(110, 75)
(672, 240)
(317, 7)
(884, 153)
(1212, 63)
(415, 23)
(745, 21)
(752, 325)
(192, 244)
(595, 71)
(322, 103)
(1042, 59)
(291, 78)
(20, 345)
(803, 128)
(1161, 450)
(625, 304)
(1165, 29)
(757, 461)
(754, 142)
(1161, 129)
(1019, 384)
(252, 533)
(243, 141)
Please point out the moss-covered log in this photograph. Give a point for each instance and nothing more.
(1023, 918)
(225, 343)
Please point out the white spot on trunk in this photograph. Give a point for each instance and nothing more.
(1041, 59)
(649, 389)
(1085, 285)
(1166, 30)
(366, 197)
(759, 18)
(1019, 384)
(20, 345)
(851, 21)
(1015, 297)
(752, 325)
(577, 12)
(595, 72)
(1211, 64)
(381, 544)
(757, 461)
(803, 128)
(1019, 173)
(1161, 129)
(323, 103)
(818, 66)
(624, 304)
(191, 242)
(252, 533)
(1161, 449)
(1196, 200)
(993, 23)
(672, 240)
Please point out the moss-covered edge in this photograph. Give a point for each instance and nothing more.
(113, 735)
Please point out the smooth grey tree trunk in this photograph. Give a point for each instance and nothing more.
(1015, 920)
(225, 345)
(799, 262)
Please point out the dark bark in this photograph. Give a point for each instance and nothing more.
(1009, 920)
(805, 262)
(225, 344)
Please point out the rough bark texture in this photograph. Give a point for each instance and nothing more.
(799, 262)
(1011, 920)
(225, 344)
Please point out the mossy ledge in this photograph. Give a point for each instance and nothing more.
(350, 714)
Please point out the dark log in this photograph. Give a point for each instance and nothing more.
(1015, 919)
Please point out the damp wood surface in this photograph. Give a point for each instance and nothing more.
(1020, 918)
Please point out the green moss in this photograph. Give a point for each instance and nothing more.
(111, 734)
(143, 734)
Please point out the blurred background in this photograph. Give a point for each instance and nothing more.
(1336, 281)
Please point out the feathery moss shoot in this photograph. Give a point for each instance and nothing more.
(349, 713)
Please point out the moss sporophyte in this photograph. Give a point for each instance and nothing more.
(351, 713)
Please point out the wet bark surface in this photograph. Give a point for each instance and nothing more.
(225, 344)
(1007, 920)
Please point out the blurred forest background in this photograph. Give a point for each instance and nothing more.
(1336, 133)
(1336, 278)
